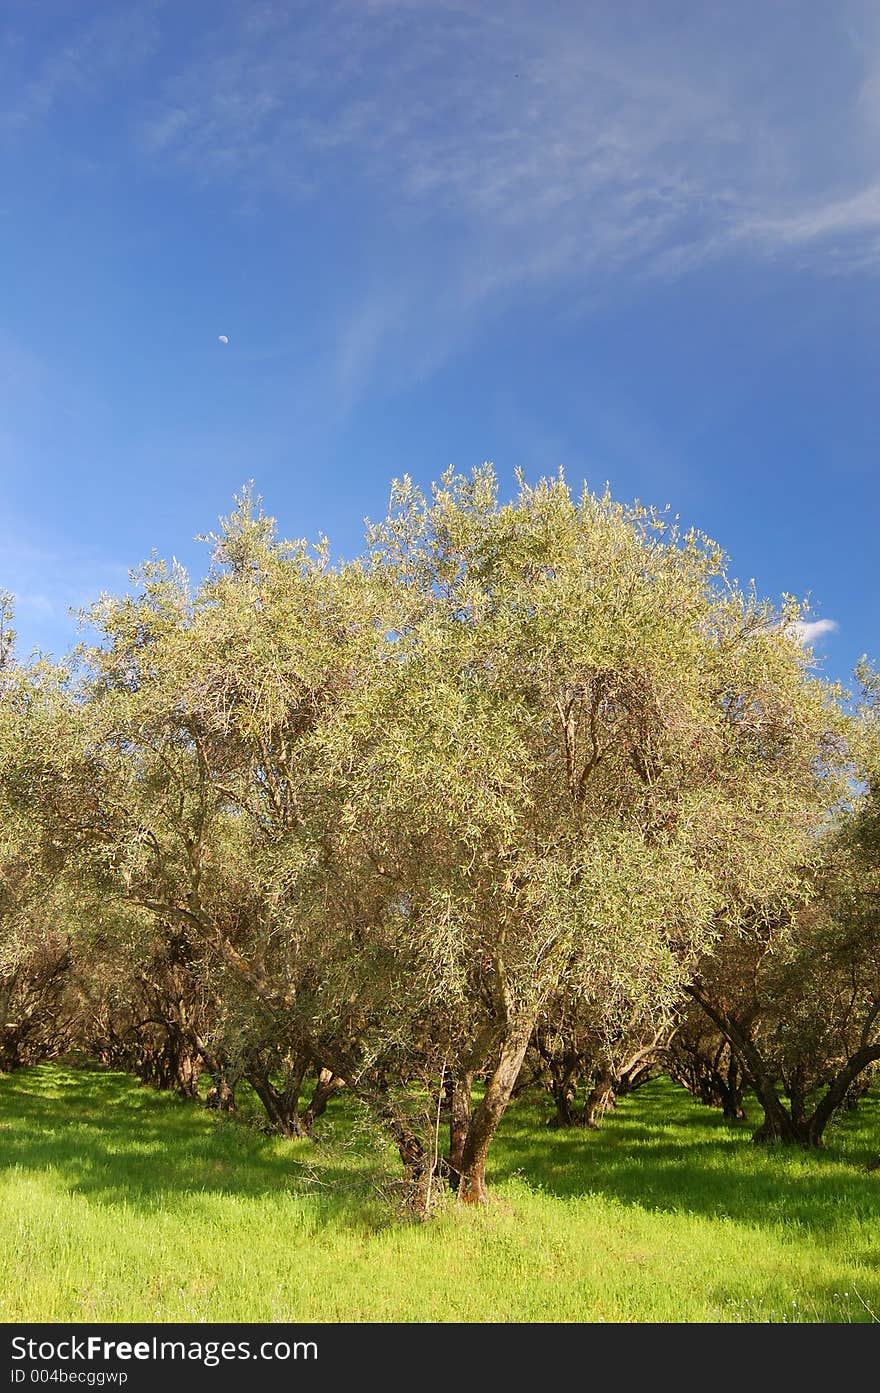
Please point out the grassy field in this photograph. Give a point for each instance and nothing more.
(120, 1204)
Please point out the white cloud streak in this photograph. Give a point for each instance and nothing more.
(805, 632)
(64, 570)
(70, 66)
(481, 151)
(536, 149)
(579, 136)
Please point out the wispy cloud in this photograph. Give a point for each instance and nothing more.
(68, 63)
(611, 137)
(839, 218)
(510, 148)
(565, 148)
(51, 580)
(518, 126)
(806, 632)
(546, 143)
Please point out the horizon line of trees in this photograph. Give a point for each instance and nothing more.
(529, 792)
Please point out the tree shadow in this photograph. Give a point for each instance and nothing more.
(119, 1143)
(663, 1151)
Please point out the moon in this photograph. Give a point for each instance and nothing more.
(222, 338)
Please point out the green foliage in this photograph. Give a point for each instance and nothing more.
(521, 757)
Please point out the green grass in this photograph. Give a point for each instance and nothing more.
(121, 1204)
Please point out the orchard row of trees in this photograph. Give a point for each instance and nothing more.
(529, 791)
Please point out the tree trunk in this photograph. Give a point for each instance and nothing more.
(732, 1091)
(327, 1084)
(221, 1094)
(489, 1112)
(459, 1124)
(600, 1099)
(810, 1130)
(631, 1079)
(187, 1068)
(777, 1125)
(281, 1104)
(410, 1147)
(836, 1093)
(564, 1079)
(9, 1053)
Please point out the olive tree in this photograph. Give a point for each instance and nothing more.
(797, 995)
(519, 758)
(594, 745)
(35, 954)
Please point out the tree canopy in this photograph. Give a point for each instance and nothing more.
(525, 771)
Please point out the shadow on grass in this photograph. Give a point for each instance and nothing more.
(116, 1142)
(661, 1150)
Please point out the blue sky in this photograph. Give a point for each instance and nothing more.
(639, 241)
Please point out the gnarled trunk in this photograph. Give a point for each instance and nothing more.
(221, 1094)
(489, 1112)
(599, 1099)
(326, 1085)
(459, 1091)
(281, 1104)
(564, 1080)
